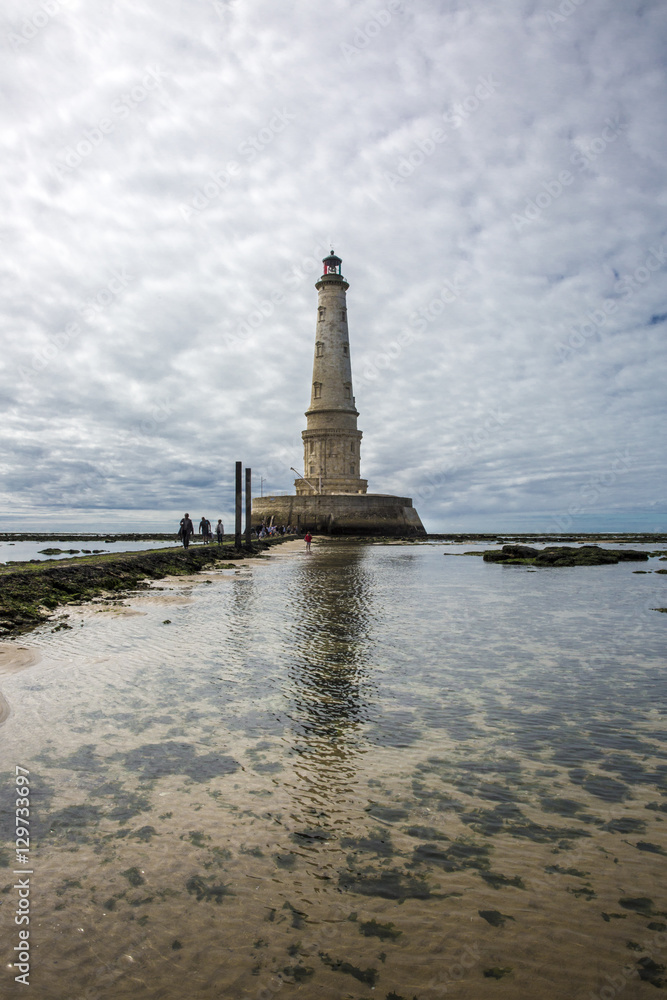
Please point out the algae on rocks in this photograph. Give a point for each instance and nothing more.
(29, 592)
(562, 555)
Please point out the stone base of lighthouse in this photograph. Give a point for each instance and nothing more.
(342, 514)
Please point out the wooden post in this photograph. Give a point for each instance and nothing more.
(239, 490)
(248, 505)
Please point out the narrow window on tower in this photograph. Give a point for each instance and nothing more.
(345, 349)
(317, 390)
(320, 313)
(348, 390)
(319, 349)
(352, 447)
(343, 314)
(351, 470)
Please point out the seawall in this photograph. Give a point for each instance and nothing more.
(341, 514)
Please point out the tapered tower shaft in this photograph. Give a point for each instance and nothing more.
(331, 441)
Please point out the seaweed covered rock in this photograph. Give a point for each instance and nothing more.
(586, 555)
(511, 553)
(30, 591)
(562, 555)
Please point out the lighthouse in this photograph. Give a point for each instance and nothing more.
(331, 497)
(331, 441)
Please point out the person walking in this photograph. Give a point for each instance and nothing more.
(308, 539)
(186, 529)
(204, 528)
(219, 530)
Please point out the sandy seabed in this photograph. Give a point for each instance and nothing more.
(230, 800)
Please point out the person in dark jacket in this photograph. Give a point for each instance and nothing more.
(186, 529)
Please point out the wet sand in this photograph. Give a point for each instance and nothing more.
(14, 658)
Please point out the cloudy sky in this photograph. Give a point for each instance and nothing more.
(492, 175)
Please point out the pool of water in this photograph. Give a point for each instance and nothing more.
(372, 771)
(22, 551)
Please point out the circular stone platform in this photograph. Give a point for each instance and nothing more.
(341, 514)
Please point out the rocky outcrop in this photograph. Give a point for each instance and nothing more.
(562, 555)
(29, 592)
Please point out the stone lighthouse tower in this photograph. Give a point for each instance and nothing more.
(331, 497)
(331, 442)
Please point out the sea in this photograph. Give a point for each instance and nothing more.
(376, 770)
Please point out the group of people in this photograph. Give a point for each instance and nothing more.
(284, 529)
(276, 529)
(205, 530)
(187, 529)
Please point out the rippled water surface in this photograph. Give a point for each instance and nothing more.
(375, 771)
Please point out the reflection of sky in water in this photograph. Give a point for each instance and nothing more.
(372, 729)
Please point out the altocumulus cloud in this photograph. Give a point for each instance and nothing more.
(489, 175)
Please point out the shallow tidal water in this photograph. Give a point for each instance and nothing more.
(24, 550)
(372, 771)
